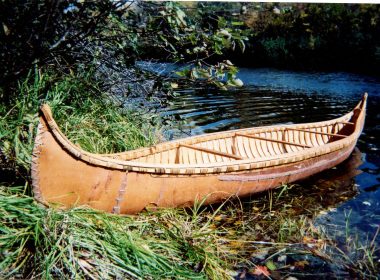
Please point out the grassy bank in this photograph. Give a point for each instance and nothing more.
(96, 122)
(81, 243)
(270, 235)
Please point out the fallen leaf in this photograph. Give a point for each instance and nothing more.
(233, 273)
(236, 244)
(6, 29)
(243, 274)
(85, 264)
(261, 270)
(218, 218)
(261, 254)
(258, 227)
(271, 265)
(307, 239)
(231, 232)
(212, 226)
(301, 264)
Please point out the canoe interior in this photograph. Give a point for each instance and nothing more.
(244, 144)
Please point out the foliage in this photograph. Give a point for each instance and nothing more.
(194, 39)
(335, 36)
(47, 32)
(85, 34)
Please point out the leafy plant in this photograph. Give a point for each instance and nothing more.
(185, 38)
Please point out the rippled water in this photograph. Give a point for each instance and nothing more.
(283, 97)
(205, 111)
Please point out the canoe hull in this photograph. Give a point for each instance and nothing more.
(62, 179)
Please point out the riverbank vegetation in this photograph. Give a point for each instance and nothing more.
(92, 120)
(303, 36)
(80, 58)
(272, 235)
(328, 37)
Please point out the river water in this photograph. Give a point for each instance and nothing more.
(283, 97)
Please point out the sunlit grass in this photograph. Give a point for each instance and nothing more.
(89, 118)
(80, 243)
(213, 242)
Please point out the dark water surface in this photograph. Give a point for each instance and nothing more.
(282, 97)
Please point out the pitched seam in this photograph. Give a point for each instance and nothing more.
(35, 161)
(120, 196)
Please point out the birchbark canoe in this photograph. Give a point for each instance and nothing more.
(213, 166)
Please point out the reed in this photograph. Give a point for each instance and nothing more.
(39, 242)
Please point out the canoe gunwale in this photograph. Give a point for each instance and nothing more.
(111, 161)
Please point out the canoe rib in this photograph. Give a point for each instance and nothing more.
(271, 176)
(348, 123)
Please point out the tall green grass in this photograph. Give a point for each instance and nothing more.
(196, 243)
(89, 118)
(37, 242)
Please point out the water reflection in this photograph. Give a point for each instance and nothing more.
(336, 185)
(340, 84)
(321, 192)
(209, 110)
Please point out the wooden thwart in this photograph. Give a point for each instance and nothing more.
(211, 151)
(349, 123)
(273, 140)
(317, 132)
